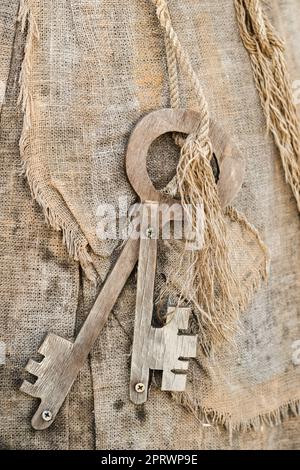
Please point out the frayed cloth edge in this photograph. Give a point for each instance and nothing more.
(77, 245)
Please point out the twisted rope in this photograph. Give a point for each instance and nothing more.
(210, 268)
(176, 50)
(266, 52)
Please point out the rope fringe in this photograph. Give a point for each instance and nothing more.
(210, 281)
(266, 52)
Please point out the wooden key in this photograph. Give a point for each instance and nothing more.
(63, 359)
(163, 348)
(156, 348)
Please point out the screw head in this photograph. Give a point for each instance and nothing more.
(47, 415)
(149, 232)
(140, 387)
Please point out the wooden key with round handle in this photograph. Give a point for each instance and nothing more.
(63, 359)
(167, 348)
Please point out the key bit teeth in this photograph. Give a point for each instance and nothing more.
(182, 364)
(180, 382)
(187, 346)
(181, 316)
(46, 345)
(33, 367)
(29, 389)
(172, 381)
(54, 345)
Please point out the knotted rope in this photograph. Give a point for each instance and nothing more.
(212, 285)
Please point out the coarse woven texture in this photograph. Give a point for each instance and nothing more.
(159, 424)
(81, 128)
(79, 158)
(34, 287)
(211, 266)
(7, 33)
(39, 288)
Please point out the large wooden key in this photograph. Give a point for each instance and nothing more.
(156, 348)
(63, 359)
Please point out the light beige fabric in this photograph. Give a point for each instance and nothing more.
(96, 69)
(37, 278)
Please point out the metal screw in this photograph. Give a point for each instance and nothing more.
(149, 232)
(139, 388)
(47, 415)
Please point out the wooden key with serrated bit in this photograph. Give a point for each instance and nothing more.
(63, 359)
(156, 348)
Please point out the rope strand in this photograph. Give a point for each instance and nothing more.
(212, 285)
(266, 51)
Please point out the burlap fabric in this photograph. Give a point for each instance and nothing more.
(85, 100)
(28, 259)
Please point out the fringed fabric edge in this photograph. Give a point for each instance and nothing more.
(56, 214)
